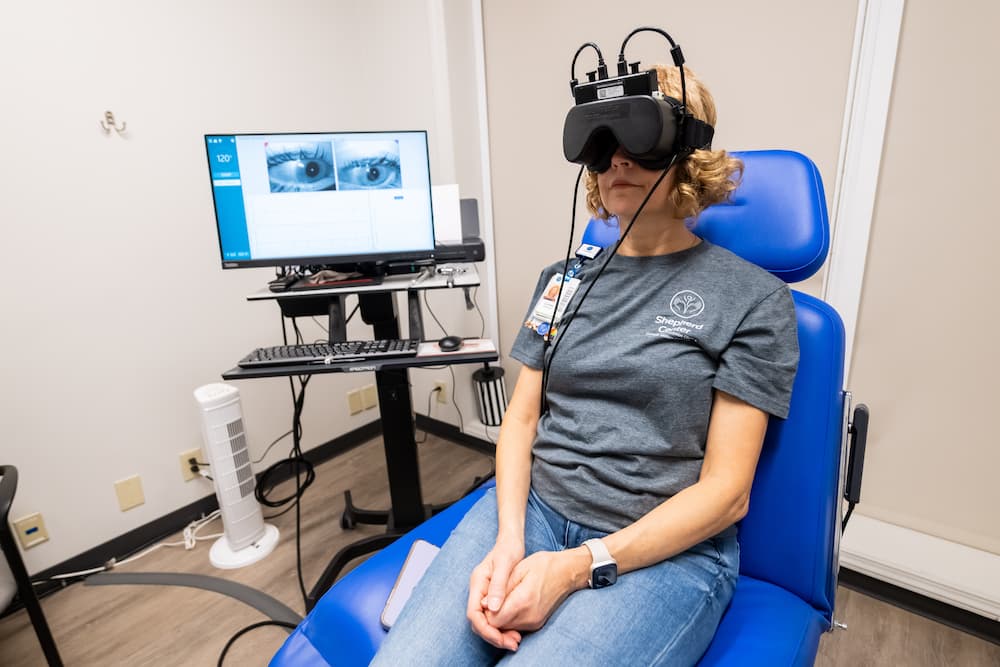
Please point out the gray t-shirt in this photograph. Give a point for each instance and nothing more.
(631, 385)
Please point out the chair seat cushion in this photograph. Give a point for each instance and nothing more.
(765, 624)
(344, 627)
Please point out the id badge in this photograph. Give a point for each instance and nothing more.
(541, 314)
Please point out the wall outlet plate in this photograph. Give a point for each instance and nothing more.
(369, 397)
(354, 402)
(442, 394)
(129, 492)
(185, 459)
(31, 530)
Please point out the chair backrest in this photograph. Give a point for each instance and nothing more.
(8, 486)
(777, 219)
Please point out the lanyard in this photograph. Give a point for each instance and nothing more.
(585, 252)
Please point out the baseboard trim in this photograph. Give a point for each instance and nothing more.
(941, 612)
(150, 533)
(952, 573)
(452, 433)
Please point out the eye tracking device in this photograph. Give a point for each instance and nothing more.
(629, 110)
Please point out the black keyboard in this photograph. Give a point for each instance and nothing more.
(329, 353)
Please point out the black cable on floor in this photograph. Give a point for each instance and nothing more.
(247, 629)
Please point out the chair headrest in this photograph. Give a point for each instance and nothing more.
(776, 219)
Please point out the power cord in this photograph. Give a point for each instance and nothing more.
(273, 443)
(190, 538)
(326, 330)
(297, 462)
(427, 304)
(454, 384)
(461, 419)
(475, 301)
(433, 391)
(247, 629)
(190, 541)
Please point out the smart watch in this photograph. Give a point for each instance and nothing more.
(603, 568)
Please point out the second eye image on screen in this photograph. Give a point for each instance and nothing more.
(364, 164)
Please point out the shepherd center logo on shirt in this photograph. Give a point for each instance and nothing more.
(686, 305)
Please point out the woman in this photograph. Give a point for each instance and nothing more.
(657, 403)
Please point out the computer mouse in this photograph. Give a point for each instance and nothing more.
(450, 343)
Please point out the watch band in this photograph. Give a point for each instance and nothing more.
(598, 551)
(603, 568)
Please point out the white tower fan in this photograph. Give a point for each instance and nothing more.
(246, 539)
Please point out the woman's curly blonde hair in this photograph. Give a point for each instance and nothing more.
(702, 178)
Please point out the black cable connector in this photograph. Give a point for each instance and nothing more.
(677, 55)
(573, 83)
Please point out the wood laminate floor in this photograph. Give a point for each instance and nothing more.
(161, 625)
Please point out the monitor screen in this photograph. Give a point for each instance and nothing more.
(329, 198)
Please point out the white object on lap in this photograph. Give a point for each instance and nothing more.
(416, 563)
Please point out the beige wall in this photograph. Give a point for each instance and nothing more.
(119, 308)
(925, 354)
(778, 71)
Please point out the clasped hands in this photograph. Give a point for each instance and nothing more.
(509, 594)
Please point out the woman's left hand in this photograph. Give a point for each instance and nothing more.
(538, 585)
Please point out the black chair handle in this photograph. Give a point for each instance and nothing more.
(858, 431)
(856, 458)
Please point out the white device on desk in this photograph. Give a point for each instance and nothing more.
(246, 539)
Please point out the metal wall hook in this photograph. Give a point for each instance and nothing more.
(109, 119)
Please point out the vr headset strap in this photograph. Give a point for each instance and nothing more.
(695, 134)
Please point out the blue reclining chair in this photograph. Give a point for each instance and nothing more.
(789, 540)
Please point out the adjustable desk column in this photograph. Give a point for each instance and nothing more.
(396, 412)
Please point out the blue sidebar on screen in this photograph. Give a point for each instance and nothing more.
(228, 189)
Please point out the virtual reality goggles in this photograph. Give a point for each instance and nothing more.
(630, 111)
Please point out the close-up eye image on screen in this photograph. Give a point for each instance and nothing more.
(368, 165)
(300, 167)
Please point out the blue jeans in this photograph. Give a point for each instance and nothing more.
(665, 614)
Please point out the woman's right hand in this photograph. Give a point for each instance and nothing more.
(487, 589)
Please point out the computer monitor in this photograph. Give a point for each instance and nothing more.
(321, 199)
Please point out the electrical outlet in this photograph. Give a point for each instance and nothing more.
(442, 394)
(31, 530)
(369, 398)
(354, 403)
(129, 492)
(185, 458)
